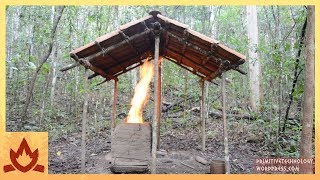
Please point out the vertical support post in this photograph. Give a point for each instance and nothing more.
(114, 107)
(225, 125)
(156, 102)
(203, 119)
(84, 123)
(159, 102)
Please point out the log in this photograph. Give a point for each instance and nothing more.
(236, 116)
(201, 160)
(189, 166)
(174, 104)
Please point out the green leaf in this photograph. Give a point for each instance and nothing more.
(45, 68)
(287, 47)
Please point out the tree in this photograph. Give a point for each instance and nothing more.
(308, 102)
(254, 64)
(36, 72)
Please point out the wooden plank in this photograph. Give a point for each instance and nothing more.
(168, 20)
(132, 23)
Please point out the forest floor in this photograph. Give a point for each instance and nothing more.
(181, 144)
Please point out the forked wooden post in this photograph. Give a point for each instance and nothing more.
(114, 107)
(84, 123)
(155, 110)
(225, 125)
(203, 119)
(159, 102)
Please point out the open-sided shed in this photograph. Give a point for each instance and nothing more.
(148, 38)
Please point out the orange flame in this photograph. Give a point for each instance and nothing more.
(141, 93)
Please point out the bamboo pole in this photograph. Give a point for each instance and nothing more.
(84, 123)
(225, 125)
(203, 119)
(156, 102)
(159, 102)
(114, 107)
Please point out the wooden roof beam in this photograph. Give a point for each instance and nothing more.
(172, 60)
(213, 75)
(190, 60)
(70, 66)
(113, 47)
(97, 70)
(127, 39)
(209, 54)
(106, 53)
(129, 69)
(120, 62)
(204, 52)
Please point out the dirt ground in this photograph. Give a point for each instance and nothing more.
(180, 146)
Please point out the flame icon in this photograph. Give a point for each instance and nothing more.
(29, 159)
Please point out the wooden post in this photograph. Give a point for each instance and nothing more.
(155, 110)
(84, 123)
(159, 102)
(225, 125)
(114, 107)
(203, 119)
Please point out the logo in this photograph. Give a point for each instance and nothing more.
(24, 159)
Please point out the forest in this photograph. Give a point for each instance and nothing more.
(267, 112)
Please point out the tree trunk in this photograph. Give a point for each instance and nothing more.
(297, 72)
(254, 64)
(134, 79)
(54, 75)
(35, 74)
(54, 63)
(116, 17)
(308, 103)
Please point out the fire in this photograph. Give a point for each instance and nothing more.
(24, 159)
(141, 93)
